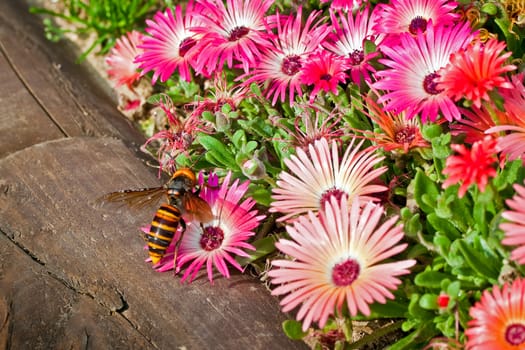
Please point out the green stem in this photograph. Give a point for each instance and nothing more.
(378, 333)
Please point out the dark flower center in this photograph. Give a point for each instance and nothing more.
(332, 192)
(186, 45)
(430, 85)
(291, 65)
(212, 237)
(356, 57)
(405, 135)
(326, 77)
(417, 24)
(344, 274)
(515, 334)
(237, 33)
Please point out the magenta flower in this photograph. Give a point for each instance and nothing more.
(236, 31)
(335, 260)
(324, 71)
(281, 65)
(474, 166)
(348, 40)
(413, 16)
(171, 43)
(122, 69)
(515, 225)
(498, 319)
(319, 174)
(475, 71)
(413, 67)
(215, 243)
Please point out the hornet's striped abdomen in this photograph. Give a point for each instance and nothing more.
(163, 228)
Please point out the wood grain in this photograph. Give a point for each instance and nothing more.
(48, 209)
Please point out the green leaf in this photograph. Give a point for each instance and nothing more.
(263, 247)
(428, 301)
(217, 151)
(425, 192)
(444, 226)
(293, 329)
(239, 138)
(477, 261)
(431, 279)
(391, 309)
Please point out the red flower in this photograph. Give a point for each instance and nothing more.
(475, 71)
(474, 166)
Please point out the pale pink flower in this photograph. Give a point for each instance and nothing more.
(319, 174)
(498, 319)
(122, 69)
(514, 228)
(171, 44)
(336, 259)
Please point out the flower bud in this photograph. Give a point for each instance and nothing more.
(254, 169)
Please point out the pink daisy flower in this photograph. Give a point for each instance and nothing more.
(413, 67)
(515, 226)
(281, 65)
(324, 71)
(413, 16)
(475, 71)
(498, 319)
(336, 260)
(122, 69)
(235, 31)
(474, 166)
(348, 40)
(216, 242)
(319, 174)
(171, 43)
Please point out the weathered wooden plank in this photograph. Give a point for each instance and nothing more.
(47, 208)
(22, 122)
(71, 94)
(40, 311)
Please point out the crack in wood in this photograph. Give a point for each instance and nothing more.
(68, 284)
